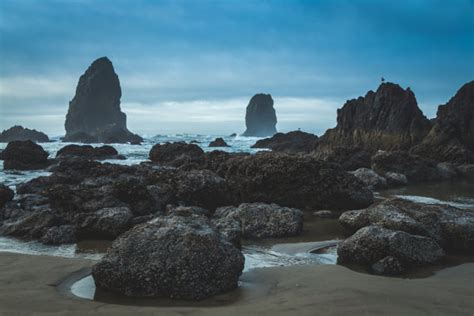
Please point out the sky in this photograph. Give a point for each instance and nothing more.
(192, 66)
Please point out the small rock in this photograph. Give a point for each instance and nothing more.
(218, 142)
(370, 178)
(24, 155)
(324, 214)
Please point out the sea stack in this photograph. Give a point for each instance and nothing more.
(260, 118)
(452, 137)
(387, 119)
(94, 113)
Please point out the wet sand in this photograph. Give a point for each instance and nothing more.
(30, 284)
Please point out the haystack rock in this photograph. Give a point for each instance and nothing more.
(94, 113)
(452, 136)
(260, 117)
(20, 133)
(388, 119)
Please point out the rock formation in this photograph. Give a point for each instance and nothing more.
(260, 117)
(20, 133)
(218, 142)
(24, 155)
(178, 257)
(387, 119)
(260, 220)
(452, 136)
(89, 152)
(295, 141)
(94, 113)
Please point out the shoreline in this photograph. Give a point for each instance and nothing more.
(30, 284)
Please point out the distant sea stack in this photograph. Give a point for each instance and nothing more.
(388, 119)
(260, 117)
(94, 113)
(20, 133)
(452, 137)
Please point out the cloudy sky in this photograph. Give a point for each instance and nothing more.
(191, 66)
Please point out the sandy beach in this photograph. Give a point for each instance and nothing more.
(35, 284)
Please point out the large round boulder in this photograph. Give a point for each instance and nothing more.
(87, 151)
(173, 257)
(24, 155)
(260, 220)
(177, 154)
(371, 245)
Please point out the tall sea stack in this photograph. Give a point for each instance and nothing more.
(260, 117)
(94, 113)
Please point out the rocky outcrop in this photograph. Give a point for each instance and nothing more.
(260, 220)
(89, 152)
(387, 119)
(6, 194)
(20, 133)
(295, 141)
(299, 181)
(260, 117)
(370, 178)
(387, 251)
(24, 155)
(415, 168)
(94, 113)
(173, 257)
(350, 158)
(452, 136)
(177, 154)
(450, 227)
(218, 142)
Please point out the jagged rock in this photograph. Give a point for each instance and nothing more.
(370, 178)
(57, 235)
(452, 228)
(105, 223)
(218, 142)
(6, 194)
(173, 257)
(388, 119)
(370, 246)
(260, 117)
(24, 155)
(415, 168)
(89, 152)
(452, 136)
(177, 154)
(20, 133)
(94, 113)
(260, 220)
(299, 181)
(295, 141)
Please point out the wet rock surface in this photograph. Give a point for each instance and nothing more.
(24, 155)
(89, 152)
(177, 154)
(295, 141)
(370, 178)
(94, 113)
(260, 220)
(260, 116)
(20, 133)
(178, 257)
(6, 194)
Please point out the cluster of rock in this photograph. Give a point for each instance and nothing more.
(94, 114)
(20, 133)
(396, 235)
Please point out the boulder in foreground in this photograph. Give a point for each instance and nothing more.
(174, 257)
